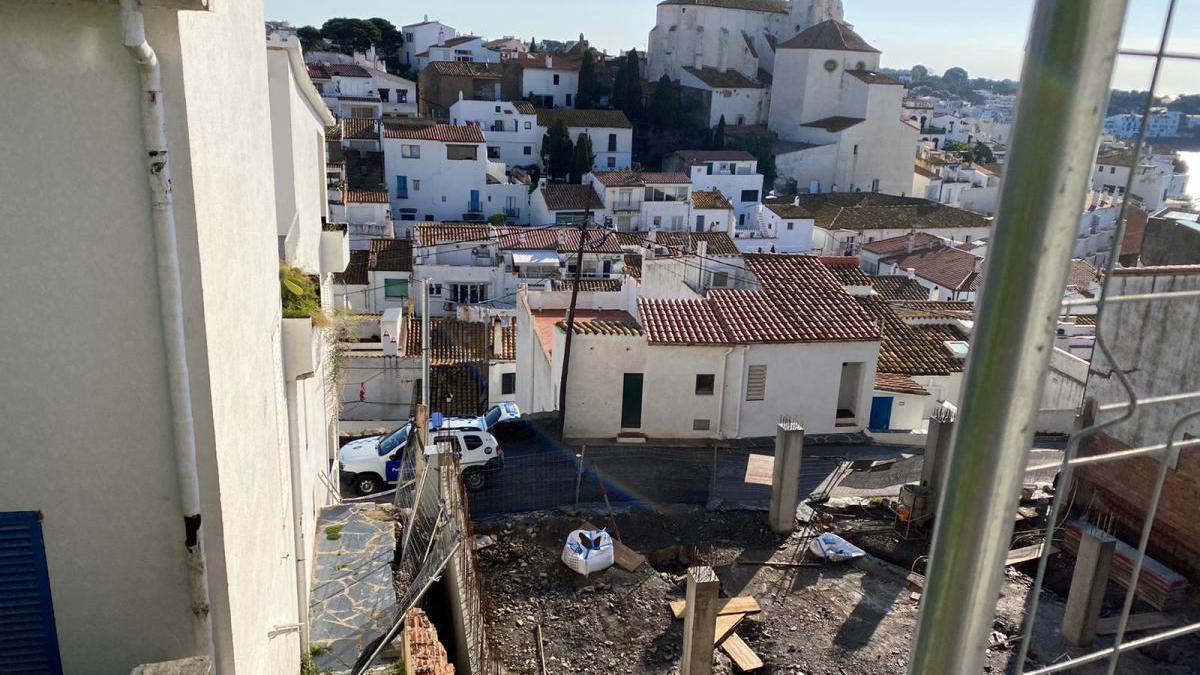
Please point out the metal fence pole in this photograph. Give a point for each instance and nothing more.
(1064, 89)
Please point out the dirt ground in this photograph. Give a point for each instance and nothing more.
(839, 619)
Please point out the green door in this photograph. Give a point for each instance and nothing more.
(631, 402)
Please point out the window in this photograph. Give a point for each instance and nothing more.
(410, 151)
(529, 125)
(756, 383)
(741, 120)
(568, 100)
(384, 94)
(472, 441)
(875, 185)
(791, 225)
(1112, 169)
(402, 96)
(528, 150)
(720, 279)
(700, 222)
(493, 152)
(435, 289)
(395, 288)
(741, 219)
(466, 152)
(416, 186)
(508, 383)
(705, 385)
(676, 222)
(497, 108)
(410, 217)
(856, 149)
(556, 79)
(362, 113)
(749, 195)
(700, 425)
(612, 162)
(612, 142)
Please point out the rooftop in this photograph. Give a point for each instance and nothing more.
(711, 199)
(729, 79)
(527, 239)
(633, 265)
(358, 196)
(835, 123)
(577, 118)
(464, 69)
(435, 132)
(892, 287)
(436, 234)
(695, 157)
(945, 266)
(893, 245)
(847, 271)
(770, 6)
(356, 273)
(829, 34)
(898, 384)
(906, 349)
(346, 70)
(716, 243)
(874, 211)
(569, 197)
(390, 255)
(874, 77)
(612, 285)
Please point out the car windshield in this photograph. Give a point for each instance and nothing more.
(492, 416)
(388, 444)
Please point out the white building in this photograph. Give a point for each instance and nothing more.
(507, 47)
(1163, 123)
(352, 90)
(510, 129)
(636, 200)
(728, 365)
(841, 120)
(1154, 180)
(946, 179)
(419, 37)
(463, 49)
(142, 502)
(610, 131)
(442, 173)
(948, 273)
(548, 80)
(562, 204)
(724, 95)
(733, 172)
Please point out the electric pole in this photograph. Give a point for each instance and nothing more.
(562, 384)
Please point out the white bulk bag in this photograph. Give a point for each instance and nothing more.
(834, 549)
(588, 551)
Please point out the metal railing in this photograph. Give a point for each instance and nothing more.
(1072, 51)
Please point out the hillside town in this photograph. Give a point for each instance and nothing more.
(429, 352)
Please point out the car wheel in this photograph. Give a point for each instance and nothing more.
(367, 484)
(474, 480)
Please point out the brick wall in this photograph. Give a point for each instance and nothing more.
(1123, 488)
(426, 655)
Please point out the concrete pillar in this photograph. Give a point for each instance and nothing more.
(1092, 563)
(937, 446)
(700, 621)
(785, 481)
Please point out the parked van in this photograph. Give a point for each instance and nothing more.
(368, 464)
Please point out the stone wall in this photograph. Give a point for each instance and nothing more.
(425, 652)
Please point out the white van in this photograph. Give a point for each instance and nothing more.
(368, 464)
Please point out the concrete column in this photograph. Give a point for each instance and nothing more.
(1092, 563)
(785, 481)
(700, 621)
(937, 447)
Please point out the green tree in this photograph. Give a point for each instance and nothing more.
(557, 151)
(956, 75)
(718, 141)
(627, 87)
(664, 104)
(919, 73)
(533, 44)
(586, 96)
(982, 154)
(350, 35)
(582, 158)
(390, 39)
(760, 145)
(311, 40)
(956, 146)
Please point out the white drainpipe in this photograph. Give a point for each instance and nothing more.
(292, 394)
(724, 392)
(170, 294)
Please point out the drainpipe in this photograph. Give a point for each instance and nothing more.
(170, 294)
(292, 391)
(737, 419)
(724, 386)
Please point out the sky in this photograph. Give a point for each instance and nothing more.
(987, 37)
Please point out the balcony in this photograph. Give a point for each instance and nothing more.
(625, 207)
(372, 230)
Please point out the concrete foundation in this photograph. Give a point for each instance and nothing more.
(785, 479)
(1092, 564)
(700, 621)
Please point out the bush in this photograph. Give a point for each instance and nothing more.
(301, 299)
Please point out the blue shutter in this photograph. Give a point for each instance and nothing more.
(28, 640)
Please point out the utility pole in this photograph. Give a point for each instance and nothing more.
(566, 367)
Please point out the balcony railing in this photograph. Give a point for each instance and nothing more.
(627, 206)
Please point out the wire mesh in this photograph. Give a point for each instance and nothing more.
(1126, 305)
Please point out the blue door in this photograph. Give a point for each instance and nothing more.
(881, 413)
(28, 640)
(401, 187)
(474, 206)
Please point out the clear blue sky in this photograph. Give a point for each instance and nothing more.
(986, 36)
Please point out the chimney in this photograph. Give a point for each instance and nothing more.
(460, 94)
(426, 18)
(497, 338)
(978, 264)
(549, 61)
(796, 200)
(911, 241)
(910, 273)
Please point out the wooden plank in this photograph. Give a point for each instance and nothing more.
(916, 580)
(726, 624)
(1026, 553)
(743, 604)
(624, 557)
(1137, 622)
(740, 653)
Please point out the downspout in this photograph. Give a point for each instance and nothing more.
(737, 419)
(724, 388)
(170, 293)
(292, 392)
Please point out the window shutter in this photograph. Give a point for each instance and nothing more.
(28, 639)
(756, 383)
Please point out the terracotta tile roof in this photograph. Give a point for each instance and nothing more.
(633, 265)
(632, 239)
(390, 255)
(686, 242)
(1085, 319)
(770, 6)
(463, 69)
(695, 157)
(658, 178)
(435, 234)
(589, 285)
(528, 239)
(508, 343)
(618, 178)
(1158, 271)
(1082, 275)
(601, 327)
(316, 71)
(905, 349)
(457, 390)
(891, 287)
(461, 39)
(940, 332)
(730, 79)
(922, 171)
(346, 70)
(537, 61)
(525, 107)
(946, 267)
(356, 270)
(898, 384)
(834, 123)
(941, 309)
(846, 270)
(597, 241)
(545, 321)
(450, 340)
(829, 34)
(360, 129)
(712, 199)
(676, 321)
(568, 197)
(892, 245)
(874, 77)
(437, 132)
(356, 196)
(577, 118)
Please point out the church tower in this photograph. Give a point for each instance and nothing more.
(805, 13)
